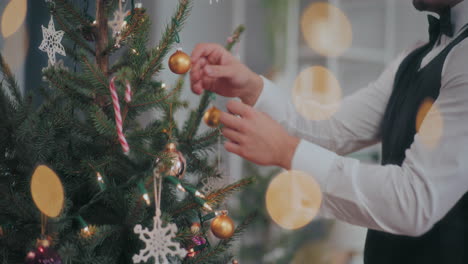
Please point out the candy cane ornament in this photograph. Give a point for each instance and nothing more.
(128, 92)
(118, 116)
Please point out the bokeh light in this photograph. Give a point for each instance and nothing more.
(47, 191)
(15, 48)
(317, 93)
(13, 17)
(326, 29)
(429, 123)
(293, 199)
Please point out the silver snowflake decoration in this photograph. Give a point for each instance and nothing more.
(117, 23)
(51, 41)
(158, 242)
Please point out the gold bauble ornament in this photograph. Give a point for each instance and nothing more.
(211, 117)
(235, 261)
(222, 227)
(177, 165)
(180, 62)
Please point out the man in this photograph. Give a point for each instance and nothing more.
(414, 204)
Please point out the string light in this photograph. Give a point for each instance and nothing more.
(84, 226)
(212, 215)
(199, 194)
(207, 207)
(100, 181)
(163, 85)
(203, 203)
(176, 182)
(195, 192)
(144, 192)
(146, 198)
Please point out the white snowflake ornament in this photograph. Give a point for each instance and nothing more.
(117, 23)
(158, 242)
(51, 42)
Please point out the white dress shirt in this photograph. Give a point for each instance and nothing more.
(407, 199)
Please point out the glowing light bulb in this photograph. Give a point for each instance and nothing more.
(199, 194)
(163, 85)
(146, 198)
(207, 207)
(99, 177)
(179, 187)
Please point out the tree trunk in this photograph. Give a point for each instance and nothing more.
(102, 39)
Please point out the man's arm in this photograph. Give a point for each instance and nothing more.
(407, 199)
(355, 125)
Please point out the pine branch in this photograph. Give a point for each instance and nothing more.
(172, 93)
(12, 85)
(76, 38)
(167, 40)
(70, 12)
(218, 196)
(98, 75)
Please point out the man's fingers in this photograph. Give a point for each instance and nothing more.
(232, 147)
(239, 108)
(233, 135)
(230, 121)
(206, 50)
(197, 87)
(197, 70)
(219, 71)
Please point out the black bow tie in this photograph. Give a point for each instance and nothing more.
(440, 26)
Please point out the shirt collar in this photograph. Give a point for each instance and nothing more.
(459, 15)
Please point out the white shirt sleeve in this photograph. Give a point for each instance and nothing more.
(354, 126)
(407, 199)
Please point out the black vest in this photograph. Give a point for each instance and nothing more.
(447, 241)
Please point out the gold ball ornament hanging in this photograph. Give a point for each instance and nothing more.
(177, 165)
(235, 261)
(180, 62)
(212, 116)
(222, 226)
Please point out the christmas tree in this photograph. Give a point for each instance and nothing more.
(81, 181)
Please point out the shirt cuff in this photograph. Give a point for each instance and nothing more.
(314, 160)
(272, 101)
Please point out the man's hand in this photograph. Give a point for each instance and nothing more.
(256, 137)
(215, 69)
